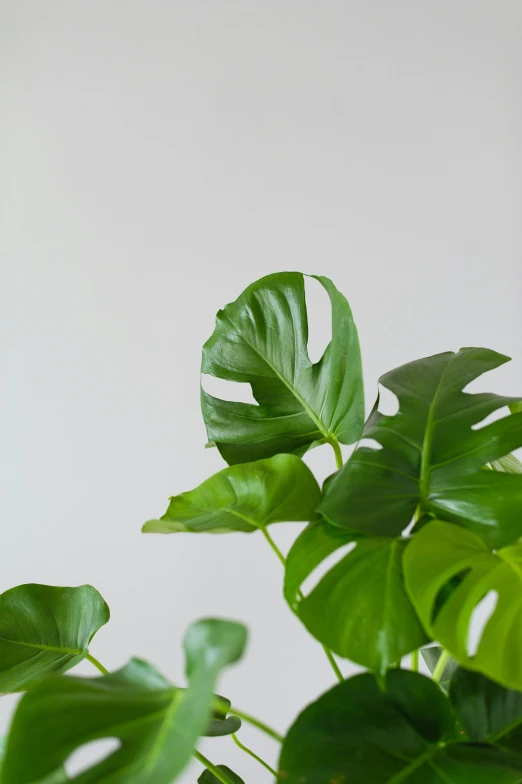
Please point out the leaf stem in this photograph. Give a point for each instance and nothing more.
(99, 666)
(255, 756)
(441, 666)
(219, 774)
(257, 723)
(415, 661)
(337, 451)
(273, 545)
(333, 663)
(281, 557)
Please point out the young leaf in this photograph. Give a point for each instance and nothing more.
(207, 777)
(261, 339)
(405, 732)
(244, 498)
(360, 608)
(221, 723)
(441, 552)
(431, 656)
(486, 710)
(432, 457)
(45, 629)
(157, 724)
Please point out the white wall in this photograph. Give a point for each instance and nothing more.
(158, 156)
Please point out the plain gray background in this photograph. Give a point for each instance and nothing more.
(158, 156)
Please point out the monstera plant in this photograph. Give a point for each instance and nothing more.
(426, 520)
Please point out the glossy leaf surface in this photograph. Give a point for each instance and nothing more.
(432, 456)
(157, 724)
(360, 608)
(358, 732)
(261, 339)
(207, 777)
(441, 552)
(486, 710)
(45, 629)
(244, 498)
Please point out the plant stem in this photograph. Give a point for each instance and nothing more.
(219, 774)
(256, 723)
(415, 661)
(281, 557)
(99, 666)
(273, 545)
(334, 665)
(251, 753)
(337, 451)
(441, 666)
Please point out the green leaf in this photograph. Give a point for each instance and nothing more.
(441, 552)
(45, 629)
(221, 723)
(486, 710)
(261, 339)
(156, 723)
(432, 457)
(244, 498)
(360, 608)
(59, 777)
(358, 732)
(431, 656)
(207, 777)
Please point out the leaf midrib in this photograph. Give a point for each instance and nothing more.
(313, 416)
(428, 438)
(55, 648)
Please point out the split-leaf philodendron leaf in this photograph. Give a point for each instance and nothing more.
(244, 498)
(45, 629)
(435, 556)
(404, 732)
(261, 339)
(432, 455)
(156, 724)
(360, 608)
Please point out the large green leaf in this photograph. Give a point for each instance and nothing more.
(439, 553)
(45, 629)
(431, 456)
(157, 724)
(244, 498)
(487, 711)
(360, 608)
(59, 777)
(358, 732)
(261, 339)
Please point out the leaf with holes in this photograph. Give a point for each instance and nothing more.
(360, 608)
(207, 777)
(59, 777)
(45, 629)
(431, 456)
(261, 339)
(438, 554)
(157, 724)
(244, 498)
(405, 731)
